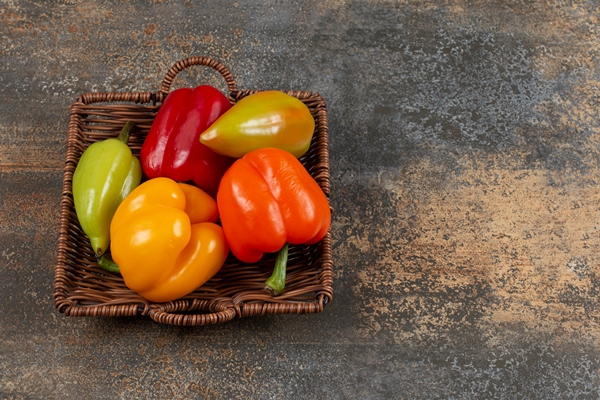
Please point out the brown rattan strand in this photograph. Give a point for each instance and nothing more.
(96, 128)
(303, 295)
(259, 309)
(191, 61)
(112, 109)
(320, 172)
(130, 97)
(171, 313)
(62, 286)
(81, 288)
(106, 311)
(312, 100)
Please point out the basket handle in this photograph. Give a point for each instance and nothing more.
(181, 312)
(190, 61)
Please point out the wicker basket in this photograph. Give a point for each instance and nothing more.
(82, 288)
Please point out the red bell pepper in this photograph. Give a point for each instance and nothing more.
(172, 148)
(267, 200)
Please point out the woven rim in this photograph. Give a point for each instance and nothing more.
(82, 288)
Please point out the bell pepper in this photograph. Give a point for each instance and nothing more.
(263, 119)
(268, 200)
(165, 239)
(105, 174)
(172, 149)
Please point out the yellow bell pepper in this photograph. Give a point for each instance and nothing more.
(165, 239)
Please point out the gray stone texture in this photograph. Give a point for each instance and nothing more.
(464, 149)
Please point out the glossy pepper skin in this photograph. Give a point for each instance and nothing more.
(165, 239)
(268, 200)
(263, 119)
(106, 173)
(172, 148)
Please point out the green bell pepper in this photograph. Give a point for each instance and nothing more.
(106, 173)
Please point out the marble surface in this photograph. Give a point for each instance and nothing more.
(464, 150)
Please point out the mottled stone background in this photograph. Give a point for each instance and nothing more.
(465, 150)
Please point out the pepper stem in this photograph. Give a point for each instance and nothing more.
(106, 263)
(125, 132)
(276, 282)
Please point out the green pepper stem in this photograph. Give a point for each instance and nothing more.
(106, 263)
(125, 132)
(276, 282)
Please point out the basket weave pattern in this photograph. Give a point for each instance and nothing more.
(82, 288)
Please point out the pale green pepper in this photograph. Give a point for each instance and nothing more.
(263, 119)
(106, 173)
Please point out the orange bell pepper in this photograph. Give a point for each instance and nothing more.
(165, 239)
(268, 200)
